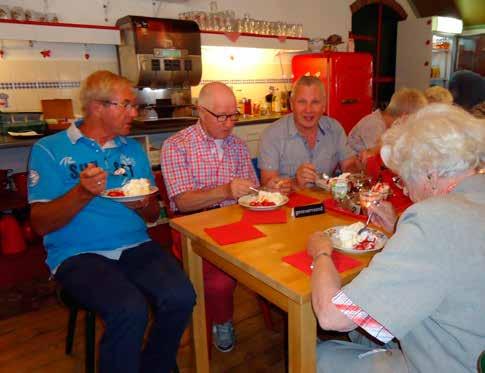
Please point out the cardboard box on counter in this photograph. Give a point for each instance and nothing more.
(58, 113)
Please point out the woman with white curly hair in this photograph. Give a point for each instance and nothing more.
(426, 288)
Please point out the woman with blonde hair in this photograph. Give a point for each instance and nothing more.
(426, 286)
(438, 94)
(365, 137)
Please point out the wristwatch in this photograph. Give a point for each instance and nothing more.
(323, 253)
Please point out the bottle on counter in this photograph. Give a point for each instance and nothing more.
(240, 105)
(284, 101)
(276, 106)
(247, 106)
(269, 100)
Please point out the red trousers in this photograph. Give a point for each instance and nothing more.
(218, 288)
(219, 293)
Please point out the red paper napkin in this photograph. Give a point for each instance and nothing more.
(302, 261)
(297, 199)
(232, 233)
(265, 217)
(332, 205)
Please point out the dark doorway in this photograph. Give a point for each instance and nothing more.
(374, 29)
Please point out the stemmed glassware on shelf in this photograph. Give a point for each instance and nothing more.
(226, 21)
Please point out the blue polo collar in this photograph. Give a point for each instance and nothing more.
(74, 134)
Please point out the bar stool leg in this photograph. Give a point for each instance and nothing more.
(71, 329)
(90, 341)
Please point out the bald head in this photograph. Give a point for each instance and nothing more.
(215, 92)
(216, 99)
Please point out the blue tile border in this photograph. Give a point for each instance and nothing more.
(248, 81)
(77, 84)
(39, 85)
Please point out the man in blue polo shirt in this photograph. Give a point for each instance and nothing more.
(98, 249)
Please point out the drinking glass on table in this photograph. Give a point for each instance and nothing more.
(340, 189)
(367, 198)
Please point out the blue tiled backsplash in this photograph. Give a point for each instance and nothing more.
(39, 85)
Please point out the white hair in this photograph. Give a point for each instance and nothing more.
(439, 138)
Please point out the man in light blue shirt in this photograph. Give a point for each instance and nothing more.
(298, 148)
(98, 249)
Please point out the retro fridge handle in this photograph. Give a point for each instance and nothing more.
(349, 101)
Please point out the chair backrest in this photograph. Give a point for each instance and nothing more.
(163, 192)
(254, 161)
(481, 362)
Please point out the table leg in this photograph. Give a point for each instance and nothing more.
(302, 338)
(193, 267)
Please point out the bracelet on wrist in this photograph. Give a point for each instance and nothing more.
(323, 253)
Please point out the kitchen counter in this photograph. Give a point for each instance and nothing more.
(145, 128)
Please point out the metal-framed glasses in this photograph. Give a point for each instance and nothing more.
(223, 117)
(124, 105)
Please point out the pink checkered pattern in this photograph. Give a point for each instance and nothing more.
(361, 318)
(189, 162)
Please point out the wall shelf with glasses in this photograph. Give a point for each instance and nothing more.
(59, 32)
(247, 40)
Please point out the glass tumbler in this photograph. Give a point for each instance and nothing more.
(367, 198)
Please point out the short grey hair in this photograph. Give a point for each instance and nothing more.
(439, 138)
(309, 81)
(100, 86)
(405, 101)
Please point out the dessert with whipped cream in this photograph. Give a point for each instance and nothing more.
(326, 182)
(267, 199)
(350, 238)
(382, 188)
(136, 187)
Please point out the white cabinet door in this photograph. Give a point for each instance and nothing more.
(250, 134)
(413, 59)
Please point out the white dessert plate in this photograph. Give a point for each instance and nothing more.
(245, 201)
(333, 233)
(153, 189)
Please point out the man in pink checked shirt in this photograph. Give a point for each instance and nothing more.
(206, 166)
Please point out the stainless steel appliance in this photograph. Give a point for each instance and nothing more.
(163, 59)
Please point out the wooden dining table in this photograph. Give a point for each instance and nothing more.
(258, 265)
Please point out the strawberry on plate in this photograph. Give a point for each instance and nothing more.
(116, 193)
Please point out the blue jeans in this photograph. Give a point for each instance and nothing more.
(120, 291)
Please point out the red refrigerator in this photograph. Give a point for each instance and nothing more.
(348, 82)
